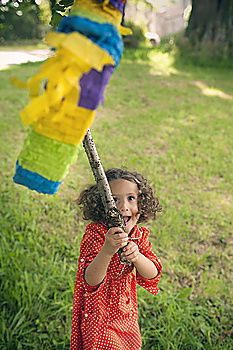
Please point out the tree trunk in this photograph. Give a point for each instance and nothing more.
(210, 25)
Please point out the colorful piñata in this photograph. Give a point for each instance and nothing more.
(88, 48)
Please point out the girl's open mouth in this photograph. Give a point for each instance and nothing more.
(126, 219)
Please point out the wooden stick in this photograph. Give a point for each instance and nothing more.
(114, 217)
(98, 171)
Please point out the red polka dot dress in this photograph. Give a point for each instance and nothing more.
(105, 317)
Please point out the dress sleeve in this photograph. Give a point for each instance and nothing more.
(91, 244)
(145, 247)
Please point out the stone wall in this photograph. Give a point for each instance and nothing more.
(164, 20)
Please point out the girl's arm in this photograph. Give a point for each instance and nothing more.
(96, 271)
(145, 267)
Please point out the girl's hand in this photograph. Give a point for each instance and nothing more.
(131, 252)
(115, 238)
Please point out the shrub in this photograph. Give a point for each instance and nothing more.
(137, 38)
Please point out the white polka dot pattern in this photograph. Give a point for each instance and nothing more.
(105, 316)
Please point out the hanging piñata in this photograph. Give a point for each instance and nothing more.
(88, 46)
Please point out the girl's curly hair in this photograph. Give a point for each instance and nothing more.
(91, 203)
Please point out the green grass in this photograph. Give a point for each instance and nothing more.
(24, 45)
(173, 123)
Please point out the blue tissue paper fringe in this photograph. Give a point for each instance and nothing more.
(34, 181)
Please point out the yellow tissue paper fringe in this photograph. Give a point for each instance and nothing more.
(70, 129)
(57, 106)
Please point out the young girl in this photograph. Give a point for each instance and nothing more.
(105, 302)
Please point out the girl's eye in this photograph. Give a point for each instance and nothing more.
(131, 198)
(115, 199)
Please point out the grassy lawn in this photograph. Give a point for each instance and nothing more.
(173, 123)
(25, 45)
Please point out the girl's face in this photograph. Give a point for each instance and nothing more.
(125, 194)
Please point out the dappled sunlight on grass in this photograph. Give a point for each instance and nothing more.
(162, 64)
(210, 91)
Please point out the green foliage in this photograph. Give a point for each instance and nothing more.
(171, 122)
(59, 9)
(137, 38)
(184, 53)
(208, 54)
(21, 20)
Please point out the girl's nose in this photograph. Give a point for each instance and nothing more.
(123, 207)
(126, 209)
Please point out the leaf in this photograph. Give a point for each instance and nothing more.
(66, 3)
(56, 19)
(59, 8)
